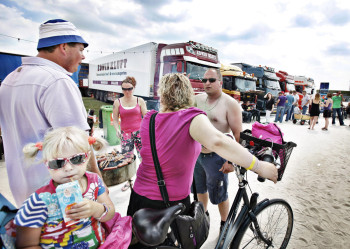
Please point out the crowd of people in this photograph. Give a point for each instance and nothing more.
(52, 130)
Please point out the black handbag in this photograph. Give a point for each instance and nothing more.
(192, 229)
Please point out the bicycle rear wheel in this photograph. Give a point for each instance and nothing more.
(275, 219)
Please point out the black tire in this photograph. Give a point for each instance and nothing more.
(302, 122)
(294, 121)
(105, 97)
(275, 218)
(97, 94)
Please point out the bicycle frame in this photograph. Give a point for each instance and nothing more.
(232, 224)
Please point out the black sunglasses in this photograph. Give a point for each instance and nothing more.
(127, 89)
(59, 163)
(211, 80)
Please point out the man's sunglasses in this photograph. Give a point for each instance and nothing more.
(127, 89)
(211, 80)
(59, 163)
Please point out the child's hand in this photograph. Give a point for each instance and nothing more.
(82, 210)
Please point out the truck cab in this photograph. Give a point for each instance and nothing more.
(237, 83)
(286, 81)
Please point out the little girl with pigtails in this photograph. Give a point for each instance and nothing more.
(40, 221)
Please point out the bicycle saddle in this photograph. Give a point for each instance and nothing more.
(151, 226)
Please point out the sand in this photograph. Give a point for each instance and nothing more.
(316, 184)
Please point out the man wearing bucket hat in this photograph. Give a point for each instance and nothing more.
(37, 96)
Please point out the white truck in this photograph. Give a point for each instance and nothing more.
(148, 63)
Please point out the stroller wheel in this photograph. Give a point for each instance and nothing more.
(294, 121)
(302, 122)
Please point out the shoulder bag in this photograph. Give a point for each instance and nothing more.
(192, 229)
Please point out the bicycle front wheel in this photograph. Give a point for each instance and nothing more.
(275, 219)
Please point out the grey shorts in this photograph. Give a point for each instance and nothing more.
(209, 179)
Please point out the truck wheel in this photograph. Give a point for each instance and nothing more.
(88, 92)
(97, 95)
(105, 97)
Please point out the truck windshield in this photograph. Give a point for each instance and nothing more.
(245, 85)
(290, 87)
(195, 71)
(272, 84)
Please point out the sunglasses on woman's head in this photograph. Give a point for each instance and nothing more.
(59, 163)
(211, 80)
(127, 89)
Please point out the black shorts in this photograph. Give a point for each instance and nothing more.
(327, 113)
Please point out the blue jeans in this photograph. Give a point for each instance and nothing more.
(288, 111)
(305, 107)
(280, 110)
(340, 116)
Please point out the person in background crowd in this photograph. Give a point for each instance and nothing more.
(305, 102)
(270, 101)
(225, 114)
(327, 110)
(44, 94)
(246, 114)
(337, 99)
(289, 106)
(180, 129)
(347, 109)
(281, 101)
(130, 109)
(295, 102)
(314, 110)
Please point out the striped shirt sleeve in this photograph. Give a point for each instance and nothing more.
(33, 212)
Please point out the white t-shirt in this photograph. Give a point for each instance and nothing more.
(35, 97)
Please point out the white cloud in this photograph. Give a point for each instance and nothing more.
(302, 37)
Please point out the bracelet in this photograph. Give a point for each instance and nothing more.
(252, 164)
(104, 213)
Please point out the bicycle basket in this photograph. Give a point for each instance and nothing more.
(283, 151)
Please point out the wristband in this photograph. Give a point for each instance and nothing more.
(104, 213)
(252, 164)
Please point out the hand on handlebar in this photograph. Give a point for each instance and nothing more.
(267, 170)
(227, 168)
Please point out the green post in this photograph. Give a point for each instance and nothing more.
(108, 128)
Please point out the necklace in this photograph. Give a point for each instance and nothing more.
(206, 101)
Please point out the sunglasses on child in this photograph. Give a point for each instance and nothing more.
(211, 80)
(127, 89)
(59, 163)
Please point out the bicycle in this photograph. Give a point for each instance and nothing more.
(267, 224)
(151, 226)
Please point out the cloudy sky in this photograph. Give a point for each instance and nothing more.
(301, 37)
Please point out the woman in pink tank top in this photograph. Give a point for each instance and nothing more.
(130, 109)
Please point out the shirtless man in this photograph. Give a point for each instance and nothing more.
(211, 170)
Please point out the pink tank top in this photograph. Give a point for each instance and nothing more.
(130, 118)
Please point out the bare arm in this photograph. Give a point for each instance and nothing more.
(116, 117)
(143, 107)
(205, 133)
(28, 237)
(88, 208)
(234, 118)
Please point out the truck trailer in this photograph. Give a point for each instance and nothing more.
(147, 63)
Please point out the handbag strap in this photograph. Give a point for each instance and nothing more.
(161, 182)
(279, 130)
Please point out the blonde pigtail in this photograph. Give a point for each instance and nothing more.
(98, 143)
(30, 150)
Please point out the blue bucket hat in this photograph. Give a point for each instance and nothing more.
(58, 31)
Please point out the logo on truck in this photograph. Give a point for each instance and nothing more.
(112, 65)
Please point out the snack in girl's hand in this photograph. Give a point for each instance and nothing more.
(68, 195)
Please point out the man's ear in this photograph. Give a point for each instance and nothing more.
(62, 48)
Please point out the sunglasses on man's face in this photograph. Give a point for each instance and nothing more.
(59, 163)
(211, 80)
(127, 89)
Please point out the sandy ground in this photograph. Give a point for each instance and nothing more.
(316, 183)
